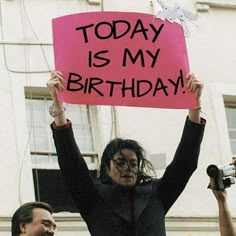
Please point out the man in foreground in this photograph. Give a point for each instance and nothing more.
(33, 219)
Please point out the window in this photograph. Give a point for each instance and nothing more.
(47, 179)
(204, 5)
(230, 110)
(94, 2)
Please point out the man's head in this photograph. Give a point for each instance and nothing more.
(33, 219)
(123, 162)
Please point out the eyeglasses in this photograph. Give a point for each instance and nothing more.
(49, 225)
(125, 164)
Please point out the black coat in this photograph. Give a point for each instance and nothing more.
(109, 210)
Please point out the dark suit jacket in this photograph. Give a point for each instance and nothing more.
(108, 210)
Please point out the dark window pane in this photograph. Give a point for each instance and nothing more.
(49, 187)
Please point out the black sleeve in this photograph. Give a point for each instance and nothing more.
(74, 169)
(183, 165)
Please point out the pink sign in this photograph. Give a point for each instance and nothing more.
(121, 58)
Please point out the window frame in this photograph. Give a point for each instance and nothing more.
(42, 93)
(230, 102)
(91, 157)
(221, 93)
(218, 3)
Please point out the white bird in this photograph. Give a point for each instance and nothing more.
(176, 13)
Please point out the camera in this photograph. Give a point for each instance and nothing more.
(224, 175)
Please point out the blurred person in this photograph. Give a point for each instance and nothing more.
(33, 219)
(225, 219)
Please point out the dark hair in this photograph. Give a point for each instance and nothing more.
(144, 166)
(24, 214)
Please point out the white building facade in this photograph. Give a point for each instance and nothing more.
(28, 164)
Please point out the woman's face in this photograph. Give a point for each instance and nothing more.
(124, 168)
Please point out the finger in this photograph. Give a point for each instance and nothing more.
(191, 79)
(188, 76)
(190, 82)
(57, 74)
(211, 184)
(199, 90)
(58, 77)
(55, 83)
(197, 86)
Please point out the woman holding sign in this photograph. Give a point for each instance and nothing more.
(125, 200)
